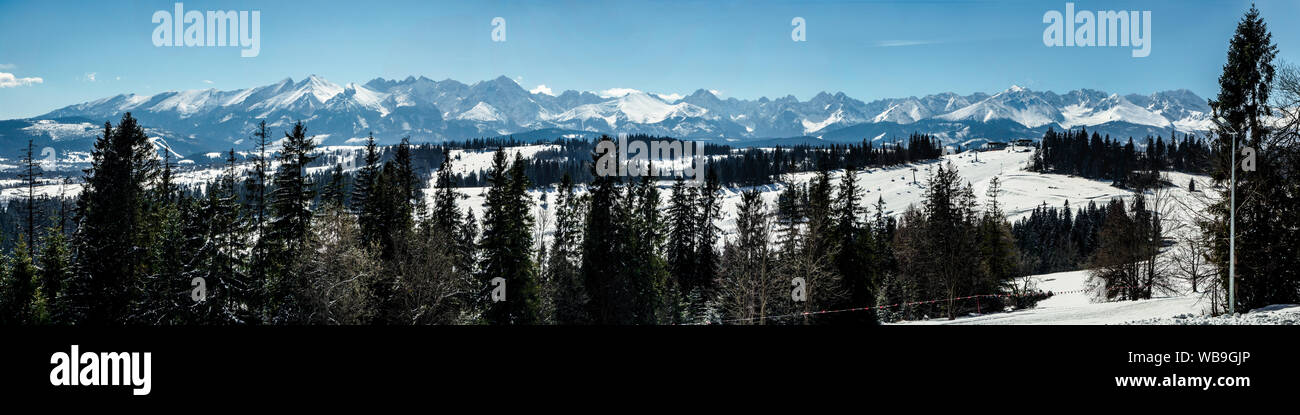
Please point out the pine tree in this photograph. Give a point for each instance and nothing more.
(998, 259)
(949, 211)
(448, 220)
(55, 264)
(287, 232)
(29, 176)
(643, 243)
(507, 244)
(219, 259)
(749, 289)
(109, 241)
(824, 283)
(683, 214)
(853, 257)
(707, 233)
(19, 291)
(335, 192)
(364, 203)
(565, 259)
(256, 180)
(601, 262)
(1267, 271)
(256, 187)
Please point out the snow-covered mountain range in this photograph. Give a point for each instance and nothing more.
(427, 110)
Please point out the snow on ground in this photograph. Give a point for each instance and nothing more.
(1022, 190)
(1278, 314)
(348, 156)
(1070, 304)
(469, 161)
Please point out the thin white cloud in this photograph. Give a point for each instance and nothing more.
(542, 89)
(8, 80)
(670, 97)
(209, 82)
(617, 92)
(90, 76)
(901, 43)
(8, 66)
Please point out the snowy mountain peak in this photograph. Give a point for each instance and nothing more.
(481, 112)
(448, 109)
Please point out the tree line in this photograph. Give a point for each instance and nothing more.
(1099, 157)
(269, 242)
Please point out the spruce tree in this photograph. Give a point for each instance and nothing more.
(55, 264)
(601, 263)
(447, 219)
(366, 206)
(291, 214)
(853, 256)
(565, 257)
(1267, 271)
(219, 259)
(19, 291)
(30, 173)
(683, 214)
(507, 244)
(335, 192)
(749, 289)
(255, 185)
(643, 243)
(109, 244)
(707, 234)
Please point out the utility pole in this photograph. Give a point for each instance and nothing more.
(1232, 221)
(1232, 233)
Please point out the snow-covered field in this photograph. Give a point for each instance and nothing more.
(1070, 304)
(1277, 314)
(1022, 190)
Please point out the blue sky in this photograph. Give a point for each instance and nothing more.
(867, 49)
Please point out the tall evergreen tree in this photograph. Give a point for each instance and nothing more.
(565, 259)
(19, 291)
(255, 184)
(853, 257)
(749, 289)
(30, 172)
(291, 215)
(55, 264)
(1267, 271)
(507, 244)
(683, 214)
(642, 246)
(109, 243)
(601, 263)
(219, 259)
(707, 234)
